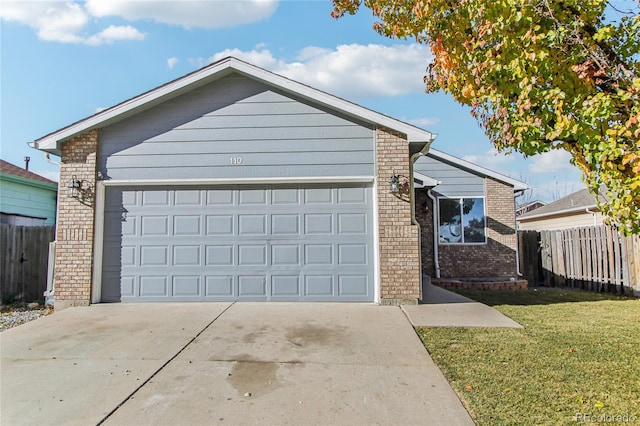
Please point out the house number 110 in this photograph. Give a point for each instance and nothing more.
(236, 160)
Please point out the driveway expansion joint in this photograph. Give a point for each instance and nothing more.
(162, 367)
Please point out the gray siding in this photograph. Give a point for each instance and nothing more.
(235, 128)
(456, 182)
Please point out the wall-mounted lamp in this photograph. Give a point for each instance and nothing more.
(75, 187)
(394, 184)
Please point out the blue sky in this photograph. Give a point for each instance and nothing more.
(62, 61)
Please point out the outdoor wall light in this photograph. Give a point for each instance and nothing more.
(75, 187)
(394, 184)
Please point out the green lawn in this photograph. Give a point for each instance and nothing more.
(578, 356)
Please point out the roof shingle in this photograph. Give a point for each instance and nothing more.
(10, 169)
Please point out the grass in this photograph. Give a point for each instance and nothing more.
(578, 355)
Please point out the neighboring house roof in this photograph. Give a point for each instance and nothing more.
(51, 142)
(9, 169)
(474, 168)
(529, 206)
(573, 203)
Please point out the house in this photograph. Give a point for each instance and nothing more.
(26, 198)
(575, 210)
(528, 207)
(234, 183)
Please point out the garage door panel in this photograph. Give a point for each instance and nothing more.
(285, 286)
(219, 255)
(128, 288)
(154, 226)
(220, 197)
(318, 254)
(285, 196)
(252, 286)
(285, 224)
(219, 286)
(318, 285)
(352, 254)
(318, 196)
(219, 224)
(252, 255)
(352, 223)
(285, 254)
(186, 286)
(155, 198)
(188, 197)
(154, 256)
(318, 223)
(353, 285)
(186, 256)
(252, 224)
(153, 286)
(352, 196)
(186, 225)
(295, 242)
(252, 197)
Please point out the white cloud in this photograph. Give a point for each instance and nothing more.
(556, 161)
(352, 71)
(171, 62)
(114, 33)
(423, 121)
(492, 159)
(189, 14)
(63, 22)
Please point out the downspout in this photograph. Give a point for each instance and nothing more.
(49, 160)
(518, 272)
(595, 220)
(412, 202)
(436, 261)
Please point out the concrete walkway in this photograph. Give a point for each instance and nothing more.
(223, 363)
(443, 308)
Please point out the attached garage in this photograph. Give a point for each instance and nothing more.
(233, 183)
(303, 242)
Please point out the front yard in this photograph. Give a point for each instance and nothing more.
(576, 361)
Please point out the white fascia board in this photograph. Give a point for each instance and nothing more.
(592, 208)
(426, 180)
(239, 181)
(203, 76)
(517, 185)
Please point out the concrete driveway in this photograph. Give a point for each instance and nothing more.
(223, 363)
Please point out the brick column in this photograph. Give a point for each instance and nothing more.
(399, 250)
(75, 224)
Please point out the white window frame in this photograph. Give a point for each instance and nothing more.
(484, 215)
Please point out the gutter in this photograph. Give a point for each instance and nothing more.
(558, 212)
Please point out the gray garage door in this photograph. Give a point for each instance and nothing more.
(296, 242)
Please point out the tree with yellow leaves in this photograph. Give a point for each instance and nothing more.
(538, 75)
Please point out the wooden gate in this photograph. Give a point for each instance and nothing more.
(23, 262)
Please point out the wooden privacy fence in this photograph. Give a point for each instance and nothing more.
(594, 258)
(24, 254)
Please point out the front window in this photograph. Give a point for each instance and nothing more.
(462, 221)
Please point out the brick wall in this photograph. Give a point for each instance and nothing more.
(74, 247)
(399, 252)
(496, 259)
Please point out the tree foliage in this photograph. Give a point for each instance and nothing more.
(538, 75)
